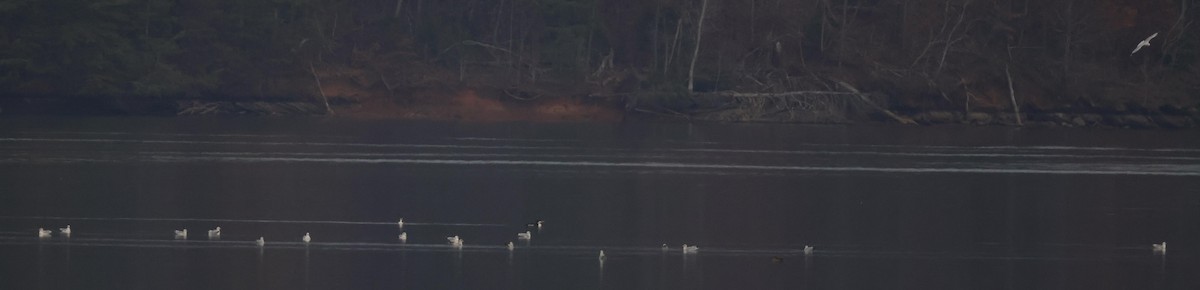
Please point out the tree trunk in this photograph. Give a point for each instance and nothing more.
(1013, 96)
(673, 49)
(319, 89)
(1069, 19)
(696, 52)
(399, 3)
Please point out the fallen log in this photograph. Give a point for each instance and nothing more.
(773, 95)
(898, 118)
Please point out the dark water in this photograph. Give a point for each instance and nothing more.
(884, 207)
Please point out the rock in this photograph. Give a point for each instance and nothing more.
(922, 117)
(1045, 117)
(1060, 117)
(940, 117)
(1078, 121)
(1113, 120)
(1137, 121)
(1173, 122)
(1040, 124)
(979, 118)
(1172, 109)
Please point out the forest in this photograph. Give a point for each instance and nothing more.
(663, 57)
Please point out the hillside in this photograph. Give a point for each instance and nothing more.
(1063, 62)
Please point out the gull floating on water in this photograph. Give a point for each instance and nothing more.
(400, 223)
(306, 238)
(65, 231)
(455, 241)
(602, 256)
(181, 234)
(690, 249)
(403, 237)
(525, 236)
(665, 248)
(260, 242)
(1160, 248)
(511, 246)
(808, 250)
(1144, 43)
(43, 233)
(214, 233)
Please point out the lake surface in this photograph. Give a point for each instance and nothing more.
(885, 207)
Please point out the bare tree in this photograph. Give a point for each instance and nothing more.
(696, 52)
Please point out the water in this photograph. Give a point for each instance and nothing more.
(884, 207)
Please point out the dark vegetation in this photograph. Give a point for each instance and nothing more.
(936, 60)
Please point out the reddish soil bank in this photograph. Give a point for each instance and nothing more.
(464, 104)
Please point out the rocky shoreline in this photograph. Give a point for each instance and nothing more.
(1066, 120)
(1180, 118)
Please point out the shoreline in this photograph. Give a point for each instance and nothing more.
(469, 106)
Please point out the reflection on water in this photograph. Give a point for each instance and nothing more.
(306, 269)
(886, 207)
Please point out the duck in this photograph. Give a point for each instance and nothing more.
(306, 238)
(214, 233)
(511, 247)
(808, 250)
(403, 237)
(665, 247)
(524, 236)
(535, 224)
(260, 242)
(65, 231)
(43, 233)
(181, 234)
(690, 249)
(1160, 248)
(776, 259)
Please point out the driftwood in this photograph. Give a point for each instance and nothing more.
(822, 106)
(514, 96)
(773, 95)
(852, 92)
(476, 43)
(803, 106)
(391, 92)
(319, 89)
(1013, 95)
(200, 107)
(898, 118)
